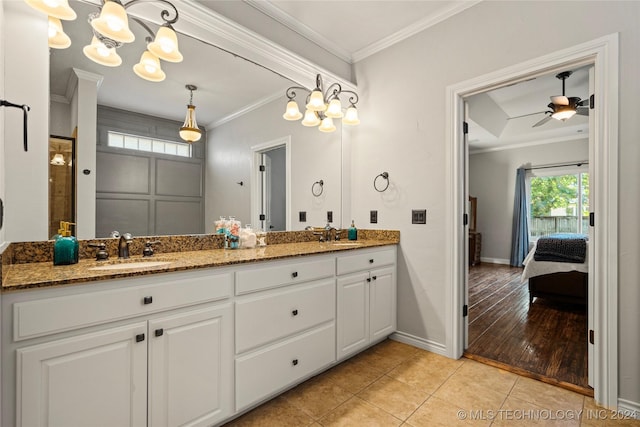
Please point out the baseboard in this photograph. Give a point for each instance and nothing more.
(629, 408)
(495, 260)
(428, 345)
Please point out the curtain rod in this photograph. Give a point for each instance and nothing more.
(584, 162)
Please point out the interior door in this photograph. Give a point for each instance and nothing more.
(266, 192)
(590, 253)
(467, 210)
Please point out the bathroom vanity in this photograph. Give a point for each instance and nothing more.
(194, 338)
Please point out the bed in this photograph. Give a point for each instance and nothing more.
(563, 280)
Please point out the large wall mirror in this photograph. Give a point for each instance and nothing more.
(240, 104)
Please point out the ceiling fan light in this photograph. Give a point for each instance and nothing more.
(57, 8)
(563, 113)
(165, 45)
(149, 68)
(113, 23)
(57, 37)
(327, 125)
(292, 112)
(100, 54)
(351, 117)
(310, 119)
(316, 101)
(334, 110)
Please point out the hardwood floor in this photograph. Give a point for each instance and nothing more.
(546, 340)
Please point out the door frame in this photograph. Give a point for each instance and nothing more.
(603, 54)
(256, 153)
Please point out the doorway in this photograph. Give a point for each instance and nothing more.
(62, 182)
(603, 53)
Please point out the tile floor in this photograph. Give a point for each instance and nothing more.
(394, 384)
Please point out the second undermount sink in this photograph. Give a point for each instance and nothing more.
(131, 265)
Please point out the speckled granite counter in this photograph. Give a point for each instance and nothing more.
(20, 276)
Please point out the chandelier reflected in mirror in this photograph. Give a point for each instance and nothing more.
(322, 106)
(111, 31)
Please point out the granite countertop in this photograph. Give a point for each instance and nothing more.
(45, 274)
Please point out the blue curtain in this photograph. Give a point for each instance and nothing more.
(520, 229)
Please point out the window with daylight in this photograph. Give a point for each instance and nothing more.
(558, 204)
(141, 143)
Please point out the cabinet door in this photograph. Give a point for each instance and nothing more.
(352, 314)
(382, 297)
(191, 367)
(96, 379)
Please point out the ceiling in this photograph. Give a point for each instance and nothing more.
(351, 30)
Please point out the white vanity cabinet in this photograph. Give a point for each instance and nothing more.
(285, 326)
(366, 299)
(164, 360)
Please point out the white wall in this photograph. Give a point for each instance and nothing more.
(60, 119)
(407, 138)
(314, 156)
(26, 80)
(3, 37)
(492, 177)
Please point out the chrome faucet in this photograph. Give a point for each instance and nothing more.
(123, 243)
(327, 232)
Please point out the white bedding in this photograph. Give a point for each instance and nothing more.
(534, 268)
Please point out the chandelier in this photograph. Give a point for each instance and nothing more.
(111, 31)
(322, 106)
(189, 130)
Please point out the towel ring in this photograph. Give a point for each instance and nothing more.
(383, 175)
(317, 188)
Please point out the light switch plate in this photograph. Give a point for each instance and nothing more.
(373, 217)
(419, 216)
(329, 216)
(302, 216)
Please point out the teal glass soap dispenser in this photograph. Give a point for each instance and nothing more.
(352, 233)
(65, 247)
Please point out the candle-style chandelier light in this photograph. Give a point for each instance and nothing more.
(322, 106)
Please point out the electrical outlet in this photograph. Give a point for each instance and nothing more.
(419, 216)
(329, 216)
(302, 216)
(373, 217)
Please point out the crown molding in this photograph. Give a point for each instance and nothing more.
(527, 144)
(245, 110)
(413, 29)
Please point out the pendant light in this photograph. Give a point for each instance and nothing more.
(189, 130)
(57, 37)
(113, 23)
(102, 54)
(165, 44)
(149, 68)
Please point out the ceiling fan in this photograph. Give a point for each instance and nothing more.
(562, 107)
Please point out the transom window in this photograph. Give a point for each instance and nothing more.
(558, 204)
(142, 143)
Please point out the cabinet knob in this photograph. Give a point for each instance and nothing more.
(159, 332)
(371, 261)
(139, 337)
(294, 362)
(374, 277)
(294, 312)
(368, 279)
(294, 274)
(147, 300)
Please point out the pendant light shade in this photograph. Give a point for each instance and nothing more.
(292, 112)
(327, 125)
(57, 37)
(310, 119)
(149, 68)
(189, 130)
(564, 112)
(165, 45)
(316, 101)
(99, 53)
(335, 109)
(57, 160)
(113, 23)
(351, 117)
(57, 8)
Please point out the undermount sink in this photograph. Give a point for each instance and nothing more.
(347, 244)
(131, 265)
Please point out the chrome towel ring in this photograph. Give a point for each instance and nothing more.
(317, 188)
(385, 176)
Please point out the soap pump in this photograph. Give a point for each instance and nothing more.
(65, 247)
(352, 233)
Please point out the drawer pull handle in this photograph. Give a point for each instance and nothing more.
(159, 332)
(294, 274)
(371, 261)
(294, 312)
(139, 337)
(374, 277)
(147, 300)
(294, 362)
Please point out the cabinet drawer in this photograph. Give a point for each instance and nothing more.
(269, 370)
(288, 273)
(366, 260)
(52, 315)
(277, 314)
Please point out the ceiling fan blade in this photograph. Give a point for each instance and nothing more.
(583, 103)
(560, 100)
(583, 111)
(543, 121)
